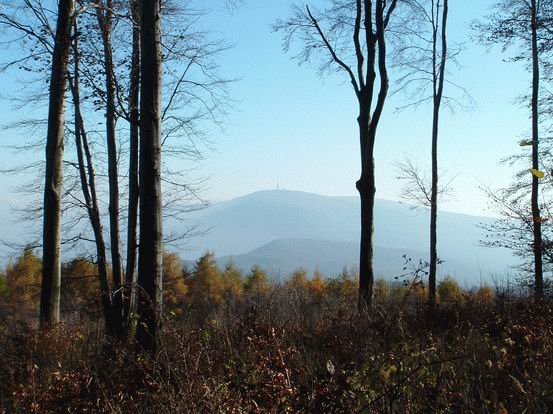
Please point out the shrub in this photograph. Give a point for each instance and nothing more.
(398, 290)
(345, 285)
(205, 283)
(23, 281)
(449, 290)
(174, 286)
(79, 285)
(298, 281)
(381, 289)
(484, 294)
(3, 286)
(419, 291)
(232, 281)
(257, 281)
(269, 358)
(317, 285)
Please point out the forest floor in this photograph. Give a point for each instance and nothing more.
(281, 354)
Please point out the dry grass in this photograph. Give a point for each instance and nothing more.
(292, 353)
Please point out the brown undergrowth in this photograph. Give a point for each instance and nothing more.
(284, 353)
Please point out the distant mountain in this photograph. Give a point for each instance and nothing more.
(282, 257)
(245, 227)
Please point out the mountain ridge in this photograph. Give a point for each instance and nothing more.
(241, 225)
(281, 257)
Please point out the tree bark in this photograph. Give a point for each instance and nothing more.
(134, 97)
(51, 269)
(368, 126)
(438, 89)
(368, 119)
(88, 186)
(367, 189)
(150, 248)
(104, 17)
(536, 215)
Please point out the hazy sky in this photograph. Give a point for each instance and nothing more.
(289, 124)
(292, 124)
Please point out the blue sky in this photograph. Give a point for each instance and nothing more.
(291, 125)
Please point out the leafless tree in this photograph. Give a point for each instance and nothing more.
(351, 37)
(51, 268)
(104, 16)
(193, 94)
(514, 227)
(134, 119)
(151, 229)
(527, 24)
(417, 185)
(422, 54)
(87, 177)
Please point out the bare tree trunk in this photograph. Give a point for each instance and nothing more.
(368, 130)
(88, 185)
(367, 188)
(372, 22)
(536, 215)
(134, 97)
(151, 247)
(438, 79)
(51, 269)
(104, 16)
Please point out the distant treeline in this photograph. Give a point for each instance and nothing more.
(205, 283)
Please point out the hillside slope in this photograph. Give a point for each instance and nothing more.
(281, 257)
(242, 225)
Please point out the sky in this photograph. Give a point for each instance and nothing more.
(291, 127)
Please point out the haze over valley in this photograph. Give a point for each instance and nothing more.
(283, 230)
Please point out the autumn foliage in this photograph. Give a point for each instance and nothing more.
(236, 341)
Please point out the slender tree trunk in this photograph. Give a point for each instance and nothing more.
(134, 97)
(51, 269)
(368, 125)
(104, 17)
(88, 186)
(150, 248)
(367, 188)
(536, 215)
(438, 88)
(363, 79)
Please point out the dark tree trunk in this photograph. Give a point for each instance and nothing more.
(134, 97)
(367, 189)
(536, 215)
(51, 269)
(88, 186)
(373, 21)
(104, 16)
(150, 248)
(368, 126)
(438, 89)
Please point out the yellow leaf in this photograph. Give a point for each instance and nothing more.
(537, 173)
